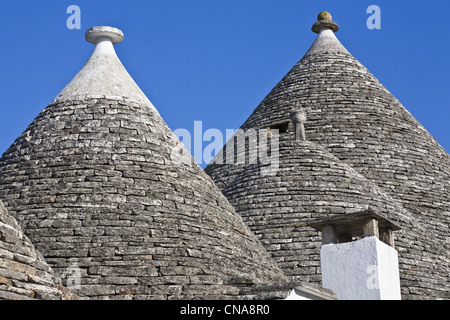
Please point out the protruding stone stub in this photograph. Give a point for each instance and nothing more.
(324, 20)
(96, 34)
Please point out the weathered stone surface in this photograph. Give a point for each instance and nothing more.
(96, 184)
(279, 208)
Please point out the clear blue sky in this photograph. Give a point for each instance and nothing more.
(215, 60)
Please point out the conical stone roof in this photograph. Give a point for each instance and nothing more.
(354, 117)
(24, 274)
(98, 181)
(309, 184)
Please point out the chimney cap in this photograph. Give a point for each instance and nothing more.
(298, 116)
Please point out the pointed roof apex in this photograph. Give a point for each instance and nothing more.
(324, 21)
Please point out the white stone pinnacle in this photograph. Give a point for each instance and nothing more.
(103, 75)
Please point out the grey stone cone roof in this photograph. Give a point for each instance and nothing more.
(99, 182)
(355, 118)
(24, 274)
(309, 183)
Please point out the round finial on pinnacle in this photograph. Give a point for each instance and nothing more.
(324, 16)
(96, 34)
(324, 22)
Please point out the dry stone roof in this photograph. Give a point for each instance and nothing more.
(355, 118)
(99, 182)
(24, 274)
